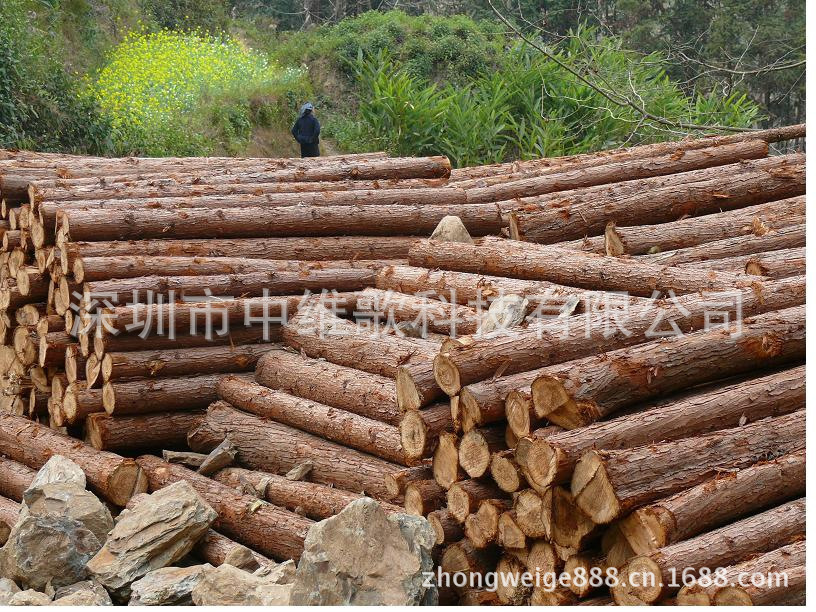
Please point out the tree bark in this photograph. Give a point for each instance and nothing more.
(736, 186)
(287, 221)
(115, 478)
(217, 549)
(160, 395)
(9, 515)
(126, 434)
(195, 361)
(778, 264)
(606, 484)
(719, 548)
(556, 342)
(395, 482)
(271, 530)
(335, 424)
(483, 402)
(272, 447)
(715, 502)
(420, 429)
(581, 392)
(465, 496)
(423, 497)
(15, 478)
(447, 529)
(569, 267)
(482, 527)
(427, 314)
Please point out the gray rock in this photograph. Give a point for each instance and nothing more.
(504, 312)
(58, 469)
(85, 591)
(168, 586)
(280, 573)
(63, 499)
(451, 229)
(45, 549)
(157, 532)
(30, 598)
(7, 589)
(364, 557)
(227, 585)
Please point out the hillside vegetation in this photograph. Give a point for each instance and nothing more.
(144, 77)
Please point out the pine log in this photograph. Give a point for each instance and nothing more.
(715, 502)
(447, 529)
(569, 267)
(159, 395)
(606, 485)
(482, 527)
(126, 434)
(483, 402)
(510, 536)
(571, 527)
(396, 481)
(555, 342)
(337, 425)
(273, 447)
(552, 456)
(203, 360)
(779, 574)
(506, 472)
(122, 343)
(472, 563)
(580, 392)
(719, 548)
(520, 413)
(113, 477)
(477, 447)
(77, 403)
(9, 515)
(366, 394)
(420, 429)
(777, 264)
(737, 185)
(423, 312)
(15, 478)
(511, 589)
(316, 501)
(465, 496)
(266, 528)
(423, 497)
(88, 225)
(217, 549)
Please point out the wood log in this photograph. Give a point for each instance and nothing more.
(217, 549)
(447, 529)
(779, 575)
(465, 496)
(476, 449)
(271, 530)
(777, 264)
(580, 392)
(510, 536)
(316, 501)
(126, 434)
(115, 224)
(552, 456)
(506, 472)
(15, 478)
(52, 348)
(9, 515)
(605, 485)
(667, 164)
(482, 527)
(423, 497)
(113, 477)
(715, 502)
(483, 402)
(341, 426)
(554, 342)
(77, 404)
(571, 527)
(203, 360)
(425, 314)
(472, 563)
(738, 185)
(273, 447)
(363, 393)
(396, 481)
(420, 430)
(159, 395)
(511, 589)
(569, 267)
(719, 548)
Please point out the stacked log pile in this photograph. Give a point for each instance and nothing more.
(616, 353)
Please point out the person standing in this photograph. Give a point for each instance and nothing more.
(307, 131)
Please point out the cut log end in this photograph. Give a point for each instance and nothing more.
(647, 529)
(613, 243)
(548, 395)
(108, 398)
(127, 480)
(640, 583)
(474, 454)
(413, 435)
(446, 461)
(542, 463)
(447, 375)
(505, 472)
(592, 490)
(92, 370)
(518, 408)
(408, 394)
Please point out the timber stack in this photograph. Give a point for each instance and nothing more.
(573, 367)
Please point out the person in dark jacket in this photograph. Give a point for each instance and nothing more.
(307, 131)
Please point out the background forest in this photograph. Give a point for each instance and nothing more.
(480, 81)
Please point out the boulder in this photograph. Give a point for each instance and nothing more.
(362, 556)
(58, 469)
(61, 499)
(281, 573)
(44, 549)
(168, 586)
(451, 229)
(157, 532)
(29, 598)
(85, 593)
(7, 589)
(227, 585)
(504, 312)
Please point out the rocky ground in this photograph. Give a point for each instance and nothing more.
(68, 548)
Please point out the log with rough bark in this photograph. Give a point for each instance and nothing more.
(115, 478)
(273, 447)
(777, 264)
(341, 426)
(423, 497)
(317, 501)
(580, 392)
(482, 527)
(569, 267)
(217, 549)
(266, 528)
(125, 434)
(722, 547)
(555, 342)
(551, 457)
(780, 580)
(14, 478)
(477, 447)
(447, 529)
(483, 402)
(396, 481)
(115, 224)
(425, 313)
(159, 395)
(667, 164)
(363, 393)
(194, 361)
(9, 515)
(420, 429)
(78, 403)
(738, 185)
(465, 496)
(715, 502)
(606, 484)
(472, 563)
